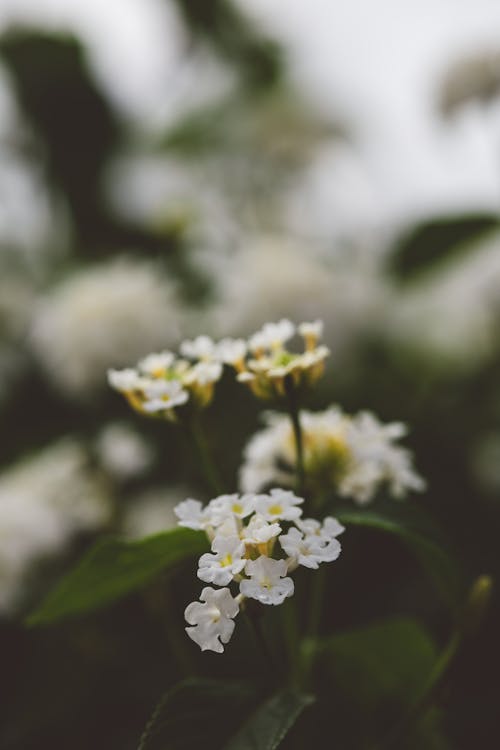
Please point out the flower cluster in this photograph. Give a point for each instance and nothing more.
(256, 541)
(162, 382)
(271, 366)
(353, 456)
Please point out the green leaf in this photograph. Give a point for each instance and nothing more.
(214, 714)
(198, 714)
(113, 568)
(417, 532)
(374, 674)
(436, 242)
(266, 729)
(388, 659)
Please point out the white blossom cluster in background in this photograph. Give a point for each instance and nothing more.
(122, 452)
(272, 276)
(103, 316)
(152, 510)
(352, 456)
(257, 540)
(44, 501)
(162, 382)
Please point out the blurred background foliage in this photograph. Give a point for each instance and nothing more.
(240, 197)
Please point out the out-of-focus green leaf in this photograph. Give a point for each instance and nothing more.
(267, 728)
(216, 714)
(113, 568)
(436, 242)
(391, 659)
(196, 714)
(417, 532)
(375, 674)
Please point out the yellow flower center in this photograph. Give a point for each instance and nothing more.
(275, 510)
(226, 561)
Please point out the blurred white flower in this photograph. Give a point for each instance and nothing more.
(101, 317)
(152, 511)
(44, 501)
(353, 456)
(272, 278)
(122, 451)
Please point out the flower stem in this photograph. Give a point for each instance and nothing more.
(291, 633)
(294, 411)
(202, 452)
(267, 657)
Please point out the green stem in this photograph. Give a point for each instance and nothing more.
(292, 641)
(203, 454)
(294, 411)
(266, 655)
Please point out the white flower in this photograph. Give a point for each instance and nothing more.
(212, 620)
(267, 581)
(191, 514)
(126, 380)
(353, 455)
(203, 373)
(151, 511)
(279, 505)
(223, 506)
(163, 394)
(202, 347)
(157, 364)
(272, 336)
(329, 529)
(314, 330)
(259, 531)
(309, 549)
(221, 567)
(231, 351)
(44, 501)
(123, 452)
(105, 316)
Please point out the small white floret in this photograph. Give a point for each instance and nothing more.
(226, 562)
(259, 531)
(157, 364)
(231, 351)
(202, 347)
(163, 394)
(279, 505)
(267, 583)
(212, 620)
(272, 336)
(191, 514)
(314, 329)
(309, 550)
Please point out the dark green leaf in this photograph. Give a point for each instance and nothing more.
(438, 241)
(375, 674)
(418, 533)
(113, 568)
(214, 715)
(266, 729)
(198, 714)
